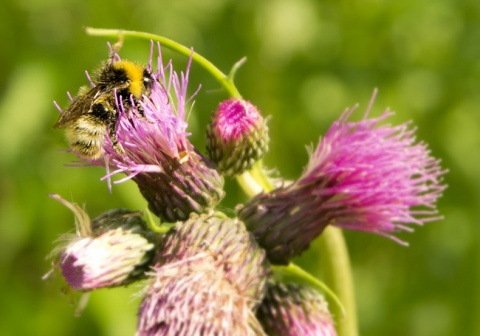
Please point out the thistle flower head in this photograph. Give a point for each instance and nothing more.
(289, 309)
(379, 174)
(209, 276)
(174, 178)
(114, 249)
(237, 136)
(362, 176)
(153, 130)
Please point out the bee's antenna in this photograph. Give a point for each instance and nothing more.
(115, 48)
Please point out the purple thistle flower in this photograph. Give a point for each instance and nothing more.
(289, 309)
(237, 136)
(114, 249)
(173, 177)
(208, 278)
(362, 176)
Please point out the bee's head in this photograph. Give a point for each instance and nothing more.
(125, 76)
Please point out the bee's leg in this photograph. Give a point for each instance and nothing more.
(112, 133)
(138, 106)
(140, 110)
(166, 92)
(109, 116)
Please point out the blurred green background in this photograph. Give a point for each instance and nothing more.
(307, 61)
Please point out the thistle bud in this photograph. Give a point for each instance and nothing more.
(209, 276)
(289, 309)
(237, 137)
(115, 249)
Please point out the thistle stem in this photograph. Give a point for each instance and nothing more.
(224, 80)
(302, 276)
(254, 181)
(249, 185)
(338, 273)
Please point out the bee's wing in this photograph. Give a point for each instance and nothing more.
(81, 105)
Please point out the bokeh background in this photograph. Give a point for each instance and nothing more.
(307, 61)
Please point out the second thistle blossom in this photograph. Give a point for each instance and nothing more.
(362, 176)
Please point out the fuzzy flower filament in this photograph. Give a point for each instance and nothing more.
(362, 176)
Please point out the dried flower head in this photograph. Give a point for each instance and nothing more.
(114, 249)
(362, 176)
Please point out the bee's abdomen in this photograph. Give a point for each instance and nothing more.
(86, 136)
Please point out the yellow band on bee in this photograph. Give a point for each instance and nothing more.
(134, 72)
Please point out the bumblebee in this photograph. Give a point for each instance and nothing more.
(93, 112)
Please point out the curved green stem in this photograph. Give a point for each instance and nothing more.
(254, 181)
(338, 274)
(248, 183)
(302, 276)
(161, 228)
(262, 179)
(225, 81)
